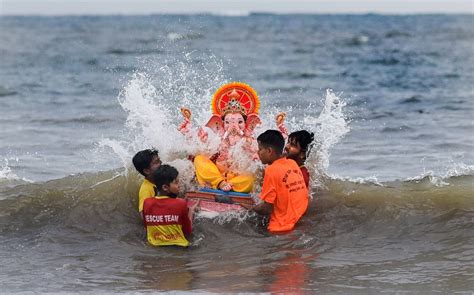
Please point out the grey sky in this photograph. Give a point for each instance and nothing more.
(62, 7)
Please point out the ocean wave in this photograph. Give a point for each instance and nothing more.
(402, 128)
(443, 179)
(440, 178)
(6, 92)
(82, 201)
(8, 179)
(381, 114)
(451, 107)
(90, 201)
(291, 75)
(359, 180)
(396, 34)
(301, 50)
(451, 75)
(121, 51)
(385, 61)
(122, 69)
(399, 197)
(412, 99)
(174, 36)
(90, 221)
(232, 13)
(358, 40)
(84, 119)
(6, 172)
(282, 89)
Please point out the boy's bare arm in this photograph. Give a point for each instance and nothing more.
(193, 209)
(263, 208)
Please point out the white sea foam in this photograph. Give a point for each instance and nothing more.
(442, 178)
(360, 180)
(174, 36)
(6, 172)
(225, 217)
(152, 98)
(459, 169)
(329, 127)
(435, 180)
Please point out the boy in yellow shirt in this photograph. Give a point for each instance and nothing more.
(146, 162)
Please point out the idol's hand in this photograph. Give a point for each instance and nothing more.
(185, 127)
(280, 122)
(186, 113)
(283, 130)
(202, 134)
(280, 118)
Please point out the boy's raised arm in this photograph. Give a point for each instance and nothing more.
(192, 209)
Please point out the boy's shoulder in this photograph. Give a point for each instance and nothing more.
(147, 184)
(280, 166)
(177, 200)
(174, 202)
(282, 162)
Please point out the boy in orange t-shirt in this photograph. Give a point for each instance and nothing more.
(284, 193)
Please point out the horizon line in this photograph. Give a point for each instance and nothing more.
(233, 13)
(231, 7)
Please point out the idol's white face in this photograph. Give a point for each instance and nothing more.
(233, 122)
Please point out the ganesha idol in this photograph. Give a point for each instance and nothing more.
(234, 118)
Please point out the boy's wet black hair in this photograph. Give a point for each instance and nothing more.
(142, 159)
(273, 139)
(165, 174)
(304, 139)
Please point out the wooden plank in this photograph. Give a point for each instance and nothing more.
(220, 198)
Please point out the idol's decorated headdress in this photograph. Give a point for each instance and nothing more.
(235, 97)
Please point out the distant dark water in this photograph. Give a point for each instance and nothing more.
(407, 81)
(394, 209)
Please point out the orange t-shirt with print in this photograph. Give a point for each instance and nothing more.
(285, 188)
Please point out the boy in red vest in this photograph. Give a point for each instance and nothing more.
(284, 193)
(167, 219)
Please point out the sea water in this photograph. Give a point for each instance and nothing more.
(389, 98)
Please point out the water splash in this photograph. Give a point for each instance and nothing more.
(329, 127)
(441, 179)
(152, 98)
(458, 169)
(6, 173)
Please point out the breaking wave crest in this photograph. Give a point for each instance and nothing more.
(101, 202)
